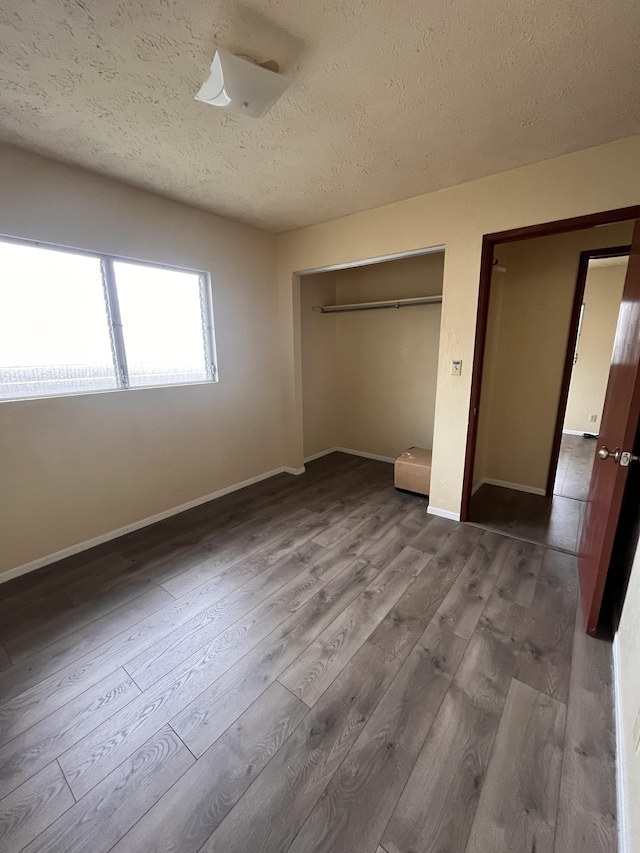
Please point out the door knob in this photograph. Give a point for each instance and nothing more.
(605, 453)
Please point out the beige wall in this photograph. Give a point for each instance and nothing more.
(75, 468)
(319, 379)
(590, 374)
(388, 360)
(596, 179)
(627, 647)
(520, 399)
(489, 371)
(375, 392)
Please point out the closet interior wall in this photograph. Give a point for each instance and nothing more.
(369, 377)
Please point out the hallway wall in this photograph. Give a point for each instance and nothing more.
(590, 374)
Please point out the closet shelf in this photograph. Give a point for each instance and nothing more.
(370, 306)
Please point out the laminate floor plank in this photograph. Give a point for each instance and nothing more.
(347, 523)
(5, 661)
(438, 804)
(312, 673)
(201, 722)
(97, 754)
(181, 573)
(550, 521)
(33, 590)
(29, 614)
(402, 627)
(52, 628)
(311, 663)
(145, 551)
(433, 533)
(184, 818)
(587, 815)
(336, 559)
(33, 807)
(545, 659)
(48, 694)
(563, 523)
(31, 751)
(517, 580)
(313, 494)
(573, 477)
(76, 644)
(164, 655)
(45, 696)
(465, 601)
(270, 814)
(396, 536)
(241, 544)
(519, 799)
(356, 805)
(100, 819)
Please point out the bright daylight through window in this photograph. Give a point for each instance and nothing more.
(76, 323)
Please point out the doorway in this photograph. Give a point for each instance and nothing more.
(599, 288)
(549, 344)
(524, 475)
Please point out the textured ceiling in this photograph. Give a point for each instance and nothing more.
(390, 98)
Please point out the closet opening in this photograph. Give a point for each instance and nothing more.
(370, 334)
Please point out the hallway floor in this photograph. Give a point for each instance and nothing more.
(555, 522)
(312, 664)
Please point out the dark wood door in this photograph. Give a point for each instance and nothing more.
(617, 435)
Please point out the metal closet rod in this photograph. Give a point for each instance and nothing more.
(370, 306)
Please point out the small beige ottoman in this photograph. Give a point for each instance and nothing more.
(412, 471)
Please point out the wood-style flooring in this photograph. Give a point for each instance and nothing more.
(555, 522)
(313, 663)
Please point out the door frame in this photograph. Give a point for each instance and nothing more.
(489, 242)
(578, 298)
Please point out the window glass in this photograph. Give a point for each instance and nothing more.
(75, 323)
(162, 324)
(54, 329)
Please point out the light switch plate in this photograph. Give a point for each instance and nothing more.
(456, 367)
(636, 732)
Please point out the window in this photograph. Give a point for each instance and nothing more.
(74, 323)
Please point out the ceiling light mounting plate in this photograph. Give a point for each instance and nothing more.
(240, 85)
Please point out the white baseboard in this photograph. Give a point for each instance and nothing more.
(136, 525)
(574, 431)
(366, 455)
(517, 487)
(352, 452)
(623, 844)
(443, 513)
(319, 455)
(477, 486)
(295, 471)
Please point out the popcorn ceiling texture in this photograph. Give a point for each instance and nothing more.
(390, 98)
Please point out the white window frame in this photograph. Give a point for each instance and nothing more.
(115, 324)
